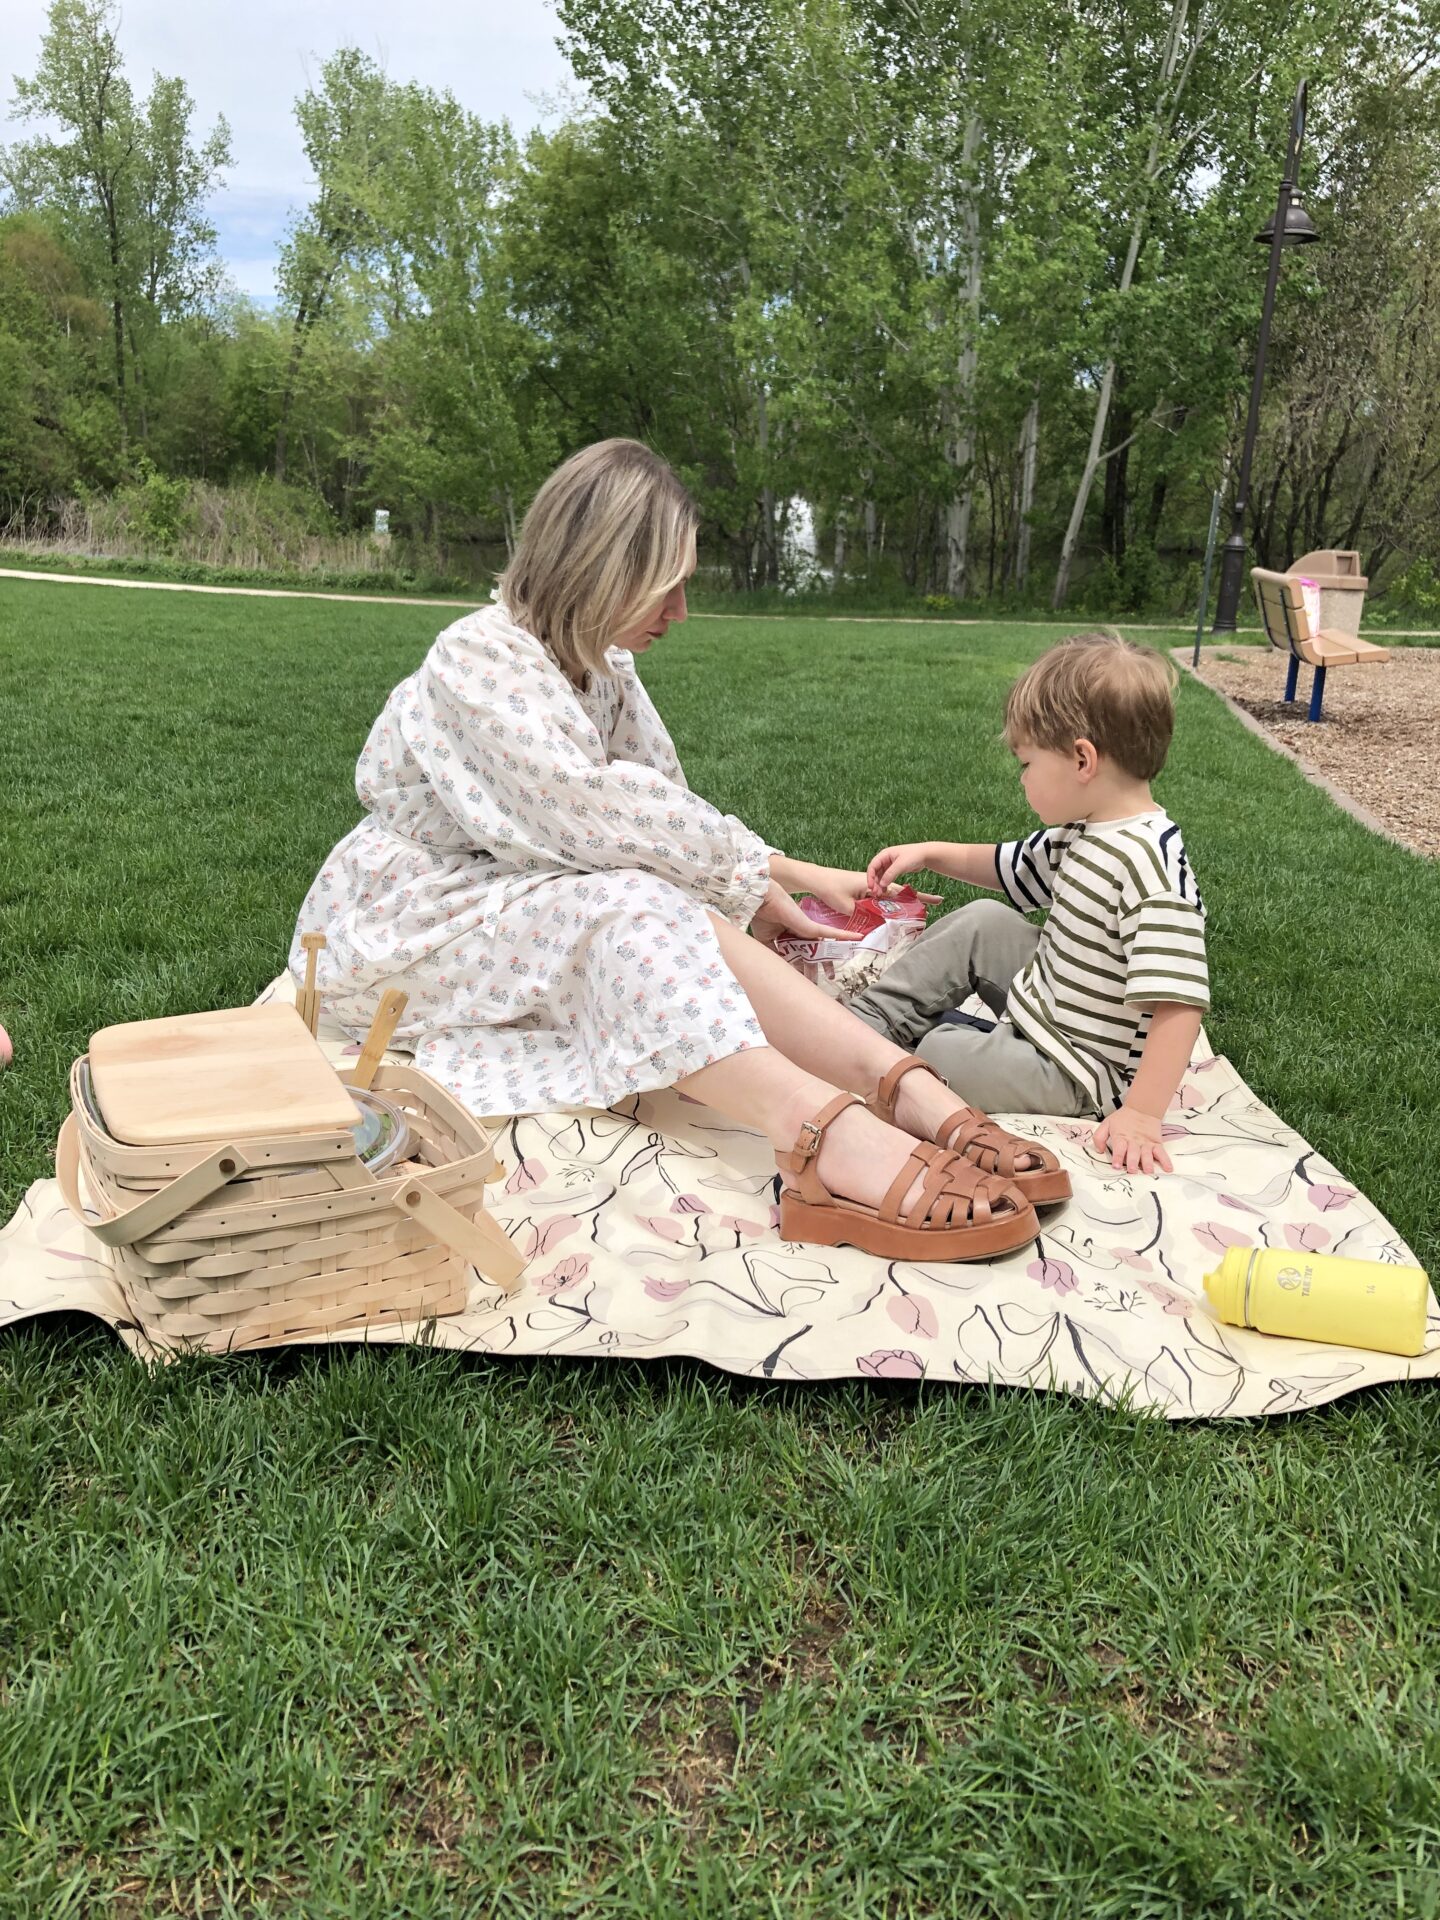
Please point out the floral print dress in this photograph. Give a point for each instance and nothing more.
(534, 872)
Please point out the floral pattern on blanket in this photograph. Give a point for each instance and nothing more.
(651, 1229)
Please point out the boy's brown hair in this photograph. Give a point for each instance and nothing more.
(1101, 688)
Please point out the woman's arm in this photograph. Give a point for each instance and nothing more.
(522, 771)
(839, 887)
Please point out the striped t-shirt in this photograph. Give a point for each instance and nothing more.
(1126, 931)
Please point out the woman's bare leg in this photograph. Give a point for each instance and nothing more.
(821, 1036)
(859, 1156)
(816, 1050)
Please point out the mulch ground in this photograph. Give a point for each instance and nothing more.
(1379, 740)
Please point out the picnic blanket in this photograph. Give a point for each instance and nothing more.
(650, 1229)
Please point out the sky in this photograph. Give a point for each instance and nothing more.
(249, 62)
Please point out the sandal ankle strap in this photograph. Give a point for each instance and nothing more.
(886, 1093)
(799, 1161)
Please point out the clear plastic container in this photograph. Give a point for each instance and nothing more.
(382, 1133)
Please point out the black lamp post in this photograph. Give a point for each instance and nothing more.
(1291, 227)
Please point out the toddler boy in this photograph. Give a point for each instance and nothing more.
(1095, 1013)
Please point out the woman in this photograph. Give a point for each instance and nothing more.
(570, 921)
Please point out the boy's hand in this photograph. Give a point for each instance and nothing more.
(1133, 1140)
(893, 863)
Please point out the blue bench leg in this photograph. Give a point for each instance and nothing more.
(1292, 676)
(1317, 693)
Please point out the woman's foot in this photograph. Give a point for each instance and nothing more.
(860, 1157)
(844, 1182)
(923, 1105)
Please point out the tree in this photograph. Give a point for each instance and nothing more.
(127, 184)
(346, 126)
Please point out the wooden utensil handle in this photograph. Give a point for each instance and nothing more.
(387, 1018)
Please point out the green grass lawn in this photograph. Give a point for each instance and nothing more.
(394, 1633)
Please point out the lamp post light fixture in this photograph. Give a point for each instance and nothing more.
(1290, 227)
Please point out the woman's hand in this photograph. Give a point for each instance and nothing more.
(891, 863)
(839, 887)
(778, 914)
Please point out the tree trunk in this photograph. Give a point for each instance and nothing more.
(1115, 508)
(137, 382)
(1165, 108)
(869, 533)
(961, 448)
(1029, 442)
(840, 531)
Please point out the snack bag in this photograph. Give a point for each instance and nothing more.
(842, 968)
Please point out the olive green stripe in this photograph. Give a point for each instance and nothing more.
(1048, 1037)
(1151, 852)
(1107, 991)
(1113, 879)
(1060, 940)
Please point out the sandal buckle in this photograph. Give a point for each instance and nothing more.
(808, 1143)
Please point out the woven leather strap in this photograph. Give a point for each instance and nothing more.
(967, 1130)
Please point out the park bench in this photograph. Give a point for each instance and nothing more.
(1287, 626)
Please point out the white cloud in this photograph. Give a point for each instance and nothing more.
(497, 56)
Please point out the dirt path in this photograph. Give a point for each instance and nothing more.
(1379, 741)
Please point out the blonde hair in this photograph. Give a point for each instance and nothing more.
(608, 535)
(1101, 688)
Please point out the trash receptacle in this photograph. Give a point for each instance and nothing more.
(1342, 588)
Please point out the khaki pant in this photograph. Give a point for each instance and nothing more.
(977, 949)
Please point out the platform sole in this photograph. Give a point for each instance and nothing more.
(1045, 1189)
(842, 1226)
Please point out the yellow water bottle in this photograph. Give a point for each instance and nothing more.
(1314, 1296)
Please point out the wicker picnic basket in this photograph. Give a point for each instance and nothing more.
(251, 1238)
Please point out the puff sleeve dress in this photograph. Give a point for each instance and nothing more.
(535, 873)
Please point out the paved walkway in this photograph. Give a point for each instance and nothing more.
(834, 619)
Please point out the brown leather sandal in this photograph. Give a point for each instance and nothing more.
(968, 1131)
(959, 1213)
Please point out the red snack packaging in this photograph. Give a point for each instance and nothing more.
(844, 967)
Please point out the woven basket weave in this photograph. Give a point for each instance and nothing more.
(227, 1245)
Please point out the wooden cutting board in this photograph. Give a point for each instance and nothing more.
(232, 1075)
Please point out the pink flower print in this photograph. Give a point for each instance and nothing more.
(912, 1313)
(659, 1289)
(1171, 1301)
(1328, 1199)
(731, 1223)
(663, 1227)
(568, 1272)
(688, 1203)
(1186, 1096)
(1308, 1239)
(1130, 1258)
(1216, 1238)
(893, 1363)
(535, 1242)
(529, 1173)
(1058, 1274)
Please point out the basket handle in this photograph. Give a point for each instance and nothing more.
(157, 1209)
(67, 1166)
(479, 1243)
